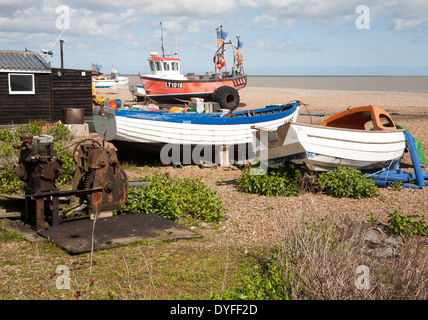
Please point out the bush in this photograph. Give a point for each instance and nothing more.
(347, 182)
(9, 137)
(265, 280)
(68, 166)
(173, 199)
(9, 181)
(276, 182)
(407, 225)
(319, 260)
(60, 132)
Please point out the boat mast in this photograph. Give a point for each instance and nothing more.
(220, 49)
(163, 50)
(216, 34)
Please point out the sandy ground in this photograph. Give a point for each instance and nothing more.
(254, 218)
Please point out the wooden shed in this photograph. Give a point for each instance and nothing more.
(71, 88)
(30, 89)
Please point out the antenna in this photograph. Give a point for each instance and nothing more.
(163, 51)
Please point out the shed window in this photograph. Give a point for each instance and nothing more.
(21, 83)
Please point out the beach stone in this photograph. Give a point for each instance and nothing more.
(381, 252)
(379, 245)
(395, 241)
(374, 235)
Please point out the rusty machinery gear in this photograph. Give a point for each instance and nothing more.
(98, 167)
(97, 174)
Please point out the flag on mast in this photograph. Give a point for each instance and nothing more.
(221, 36)
(240, 44)
(96, 67)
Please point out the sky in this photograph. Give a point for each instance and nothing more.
(280, 37)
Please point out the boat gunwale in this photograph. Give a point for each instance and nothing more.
(212, 118)
(346, 129)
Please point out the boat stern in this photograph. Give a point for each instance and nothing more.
(137, 90)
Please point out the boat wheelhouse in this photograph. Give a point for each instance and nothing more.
(164, 67)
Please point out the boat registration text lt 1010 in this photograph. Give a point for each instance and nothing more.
(173, 85)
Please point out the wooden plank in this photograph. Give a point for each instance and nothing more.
(262, 129)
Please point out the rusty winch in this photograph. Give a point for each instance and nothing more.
(99, 184)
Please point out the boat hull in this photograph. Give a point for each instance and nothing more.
(157, 131)
(171, 90)
(322, 148)
(110, 83)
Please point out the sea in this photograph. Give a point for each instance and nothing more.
(416, 84)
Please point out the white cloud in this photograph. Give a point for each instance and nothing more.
(96, 23)
(399, 24)
(409, 15)
(294, 12)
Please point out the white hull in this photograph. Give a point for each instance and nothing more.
(110, 82)
(324, 148)
(165, 132)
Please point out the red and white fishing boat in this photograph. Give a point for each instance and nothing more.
(166, 84)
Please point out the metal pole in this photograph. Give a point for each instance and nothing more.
(415, 159)
(62, 54)
(163, 50)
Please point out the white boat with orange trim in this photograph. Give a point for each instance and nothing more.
(167, 85)
(358, 138)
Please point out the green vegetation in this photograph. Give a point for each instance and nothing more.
(317, 261)
(9, 182)
(291, 179)
(407, 225)
(396, 185)
(265, 280)
(7, 235)
(276, 182)
(410, 225)
(173, 199)
(68, 165)
(347, 182)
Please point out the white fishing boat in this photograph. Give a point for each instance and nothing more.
(115, 79)
(357, 138)
(153, 130)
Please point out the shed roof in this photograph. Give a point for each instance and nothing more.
(22, 60)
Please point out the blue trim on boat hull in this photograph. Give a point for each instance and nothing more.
(213, 118)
